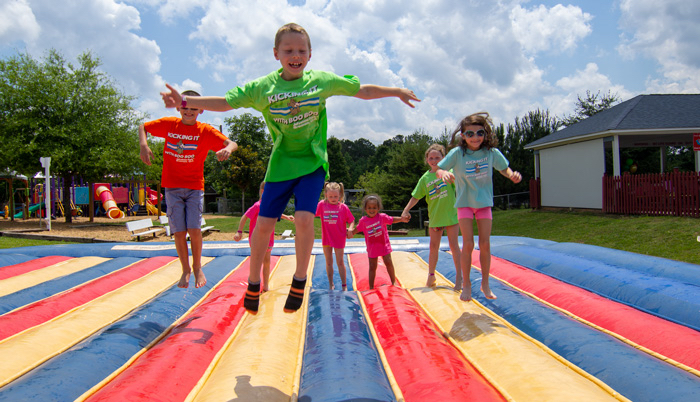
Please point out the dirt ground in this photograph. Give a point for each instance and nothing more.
(82, 227)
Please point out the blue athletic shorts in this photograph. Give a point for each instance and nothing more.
(306, 190)
(185, 207)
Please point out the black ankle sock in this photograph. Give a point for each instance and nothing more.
(252, 298)
(296, 295)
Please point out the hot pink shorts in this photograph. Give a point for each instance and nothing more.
(470, 213)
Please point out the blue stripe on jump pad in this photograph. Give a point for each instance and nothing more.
(58, 285)
(340, 361)
(320, 277)
(652, 266)
(664, 297)
(70, 374)
(14, 258)
(636, 375)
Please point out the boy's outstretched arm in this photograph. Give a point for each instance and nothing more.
(213, 103)
(145, 152)
(368, 91)
(225, 152)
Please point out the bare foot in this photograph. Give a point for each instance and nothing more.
(488, 294)
(184, 280)
(332, 287)
(199, 277)
(458, 282)
(466, 293)
(265, 289)
(431, 281)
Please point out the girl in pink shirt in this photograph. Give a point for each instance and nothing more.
(252, 215)
(335, 217)
(374, 227)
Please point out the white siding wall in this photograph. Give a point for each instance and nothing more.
(571, 175)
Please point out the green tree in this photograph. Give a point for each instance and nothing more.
(247, 171)
(242, 173)
(360, 152)
(73, 113)
(590, 105)
(381, 156)
(533, 126)
(681, 158)
(339, 170)
(405, 164)
(250, 131)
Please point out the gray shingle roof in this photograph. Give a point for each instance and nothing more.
(642, 112)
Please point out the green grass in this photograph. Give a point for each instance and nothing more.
(661, 236)
(667, 237)
(13, 242)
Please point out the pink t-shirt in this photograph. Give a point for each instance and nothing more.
(334, 223)
(376, 234)
(252, 214)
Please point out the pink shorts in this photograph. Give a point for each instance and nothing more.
(470, 213)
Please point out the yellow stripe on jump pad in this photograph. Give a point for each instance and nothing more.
(22, 353)
(521, 368)
(33, 278)
(262, 360)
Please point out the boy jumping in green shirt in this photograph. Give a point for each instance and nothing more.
(292, 102)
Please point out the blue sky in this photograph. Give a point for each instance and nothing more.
(459, 56)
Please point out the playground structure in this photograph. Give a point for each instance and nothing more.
(107, 198)
(572, 322)
(11, 192)
(115, 200)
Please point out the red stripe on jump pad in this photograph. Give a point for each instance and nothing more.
(361, 263)
(51, 307)
(666, 338)
(28, 266)
(424, 363)
(172, 367)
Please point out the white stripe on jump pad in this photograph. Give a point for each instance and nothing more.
(233, 245)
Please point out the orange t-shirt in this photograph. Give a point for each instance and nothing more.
(186, 148)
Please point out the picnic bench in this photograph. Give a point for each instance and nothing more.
(142, 227)
(286, 234)
(205, 228)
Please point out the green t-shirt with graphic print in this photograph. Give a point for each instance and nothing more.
(440, 197)
(295, 114)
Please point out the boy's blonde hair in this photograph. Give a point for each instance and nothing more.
(333, 186)
(369, 198)
(435, 147)
(291, 28)
(477, 119)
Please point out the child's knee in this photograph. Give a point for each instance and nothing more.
(467, 246)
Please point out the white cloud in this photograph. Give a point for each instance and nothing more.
(458, 56)
(106, 29)
(17, 22)
(541, 28)
(575, 85)
(668, 33)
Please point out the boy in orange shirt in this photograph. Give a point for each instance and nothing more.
(187, 143)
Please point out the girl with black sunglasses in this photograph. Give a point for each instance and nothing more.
(473, 162)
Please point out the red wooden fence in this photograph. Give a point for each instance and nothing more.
(675, 193)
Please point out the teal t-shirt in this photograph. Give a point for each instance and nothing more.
(473, 172)
(440, 197)
(295, 114)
